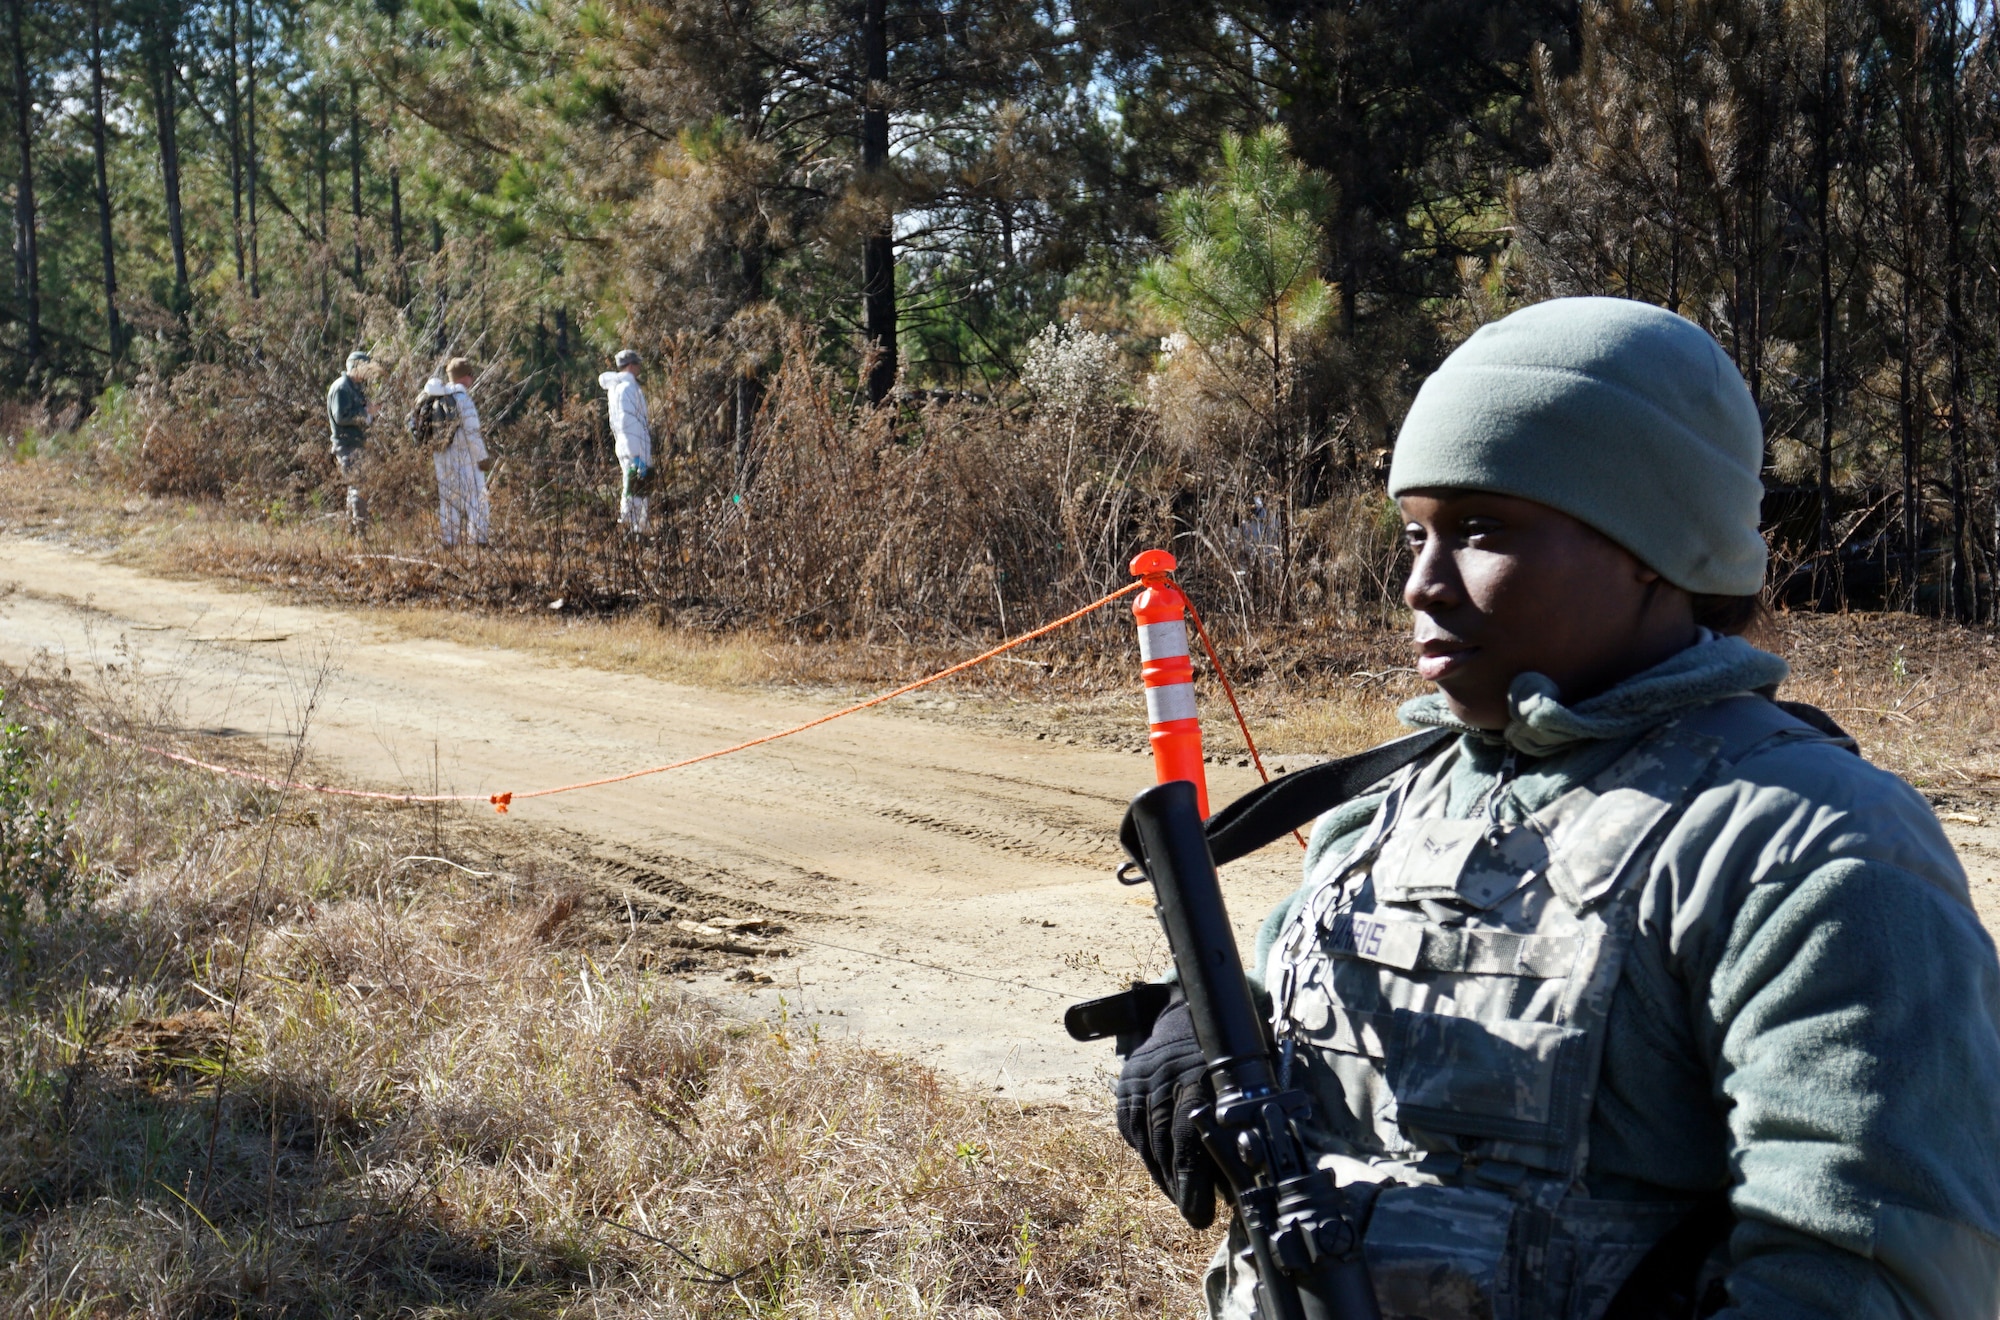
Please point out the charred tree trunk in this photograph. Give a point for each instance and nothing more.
(163, 74)
(749, 389)
(1826, 576)
(396, 233)
(322, 164)
(250, 133)
(1756, 189)
(1909, 436)
(743, 433)
(1912, 184)
(113, 332)
(27, 259)
(878, 249)
(354, 167)
(233, 109)
(1961, 585)
(562, 354)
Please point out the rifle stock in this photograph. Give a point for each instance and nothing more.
(1307, 1244)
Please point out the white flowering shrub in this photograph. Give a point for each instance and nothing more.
(1071, 369)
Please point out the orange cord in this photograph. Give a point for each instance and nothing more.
(501, 801)
(1228, 690)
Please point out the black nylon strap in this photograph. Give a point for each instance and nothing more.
(1273, 810)
(1820, 721)
(1662, 1285)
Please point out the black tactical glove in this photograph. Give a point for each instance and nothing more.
(1163, 1083)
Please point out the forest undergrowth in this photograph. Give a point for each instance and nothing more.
(285, 1061)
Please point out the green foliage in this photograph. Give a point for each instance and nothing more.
(1245, 255)
(39, 875)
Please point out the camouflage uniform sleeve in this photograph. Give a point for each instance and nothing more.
(346, 408)
(1852, 1025)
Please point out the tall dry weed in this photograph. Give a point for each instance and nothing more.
(459, 1092)
(809, 515)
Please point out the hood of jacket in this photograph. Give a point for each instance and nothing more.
(438, 388)
(612, 379)
(1540, 723)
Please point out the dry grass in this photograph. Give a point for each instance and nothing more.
(456, 1095)
(622, 643)
(1920, 695)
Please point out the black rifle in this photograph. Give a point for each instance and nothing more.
(1307, 1244)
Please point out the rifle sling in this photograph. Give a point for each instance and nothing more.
(1288, 802)
(1272, 810)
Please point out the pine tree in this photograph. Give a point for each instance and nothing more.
(1243, 261)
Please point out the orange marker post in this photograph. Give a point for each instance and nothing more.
(1161, 613)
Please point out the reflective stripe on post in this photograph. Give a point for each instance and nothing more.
(1165, 705)
(1161, 613)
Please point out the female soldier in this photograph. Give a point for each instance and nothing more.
(1640, 978)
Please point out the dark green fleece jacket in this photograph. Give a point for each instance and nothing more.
(1810, 1016)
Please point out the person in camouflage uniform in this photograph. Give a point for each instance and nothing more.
(349, 418)
(1645, 996)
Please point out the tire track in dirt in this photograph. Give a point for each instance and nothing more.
(1051, 843)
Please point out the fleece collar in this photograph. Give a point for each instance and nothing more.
(1540, 724)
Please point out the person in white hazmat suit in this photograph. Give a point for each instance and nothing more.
(632, 435)
(461, 462)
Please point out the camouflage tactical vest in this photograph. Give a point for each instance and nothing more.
(1445, 988)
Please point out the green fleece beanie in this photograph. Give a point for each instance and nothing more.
(1621, 415)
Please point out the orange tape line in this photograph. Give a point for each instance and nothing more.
(1229, 691)
(501, 801)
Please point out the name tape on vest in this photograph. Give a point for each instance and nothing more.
(1393, 943)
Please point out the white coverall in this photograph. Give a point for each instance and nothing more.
(633, 434)
(462, 507)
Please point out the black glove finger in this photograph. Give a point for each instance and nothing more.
(1196, 1198)
(1162, 1082)
(1194, 1172)
(1160, 1131)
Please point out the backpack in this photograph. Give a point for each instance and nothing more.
(433, 421)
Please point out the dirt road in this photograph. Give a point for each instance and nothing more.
(890, 835)
(892, 844)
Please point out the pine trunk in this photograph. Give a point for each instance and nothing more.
(166, 118)
(322, 150)
(113, 332)
(1962, 593)
(1909, 437)
(1827, 577)
(749, 389)
(27, 260)
(878, 250)
(396, 233)
(354, 168)
(250, 132)
(234, 110)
